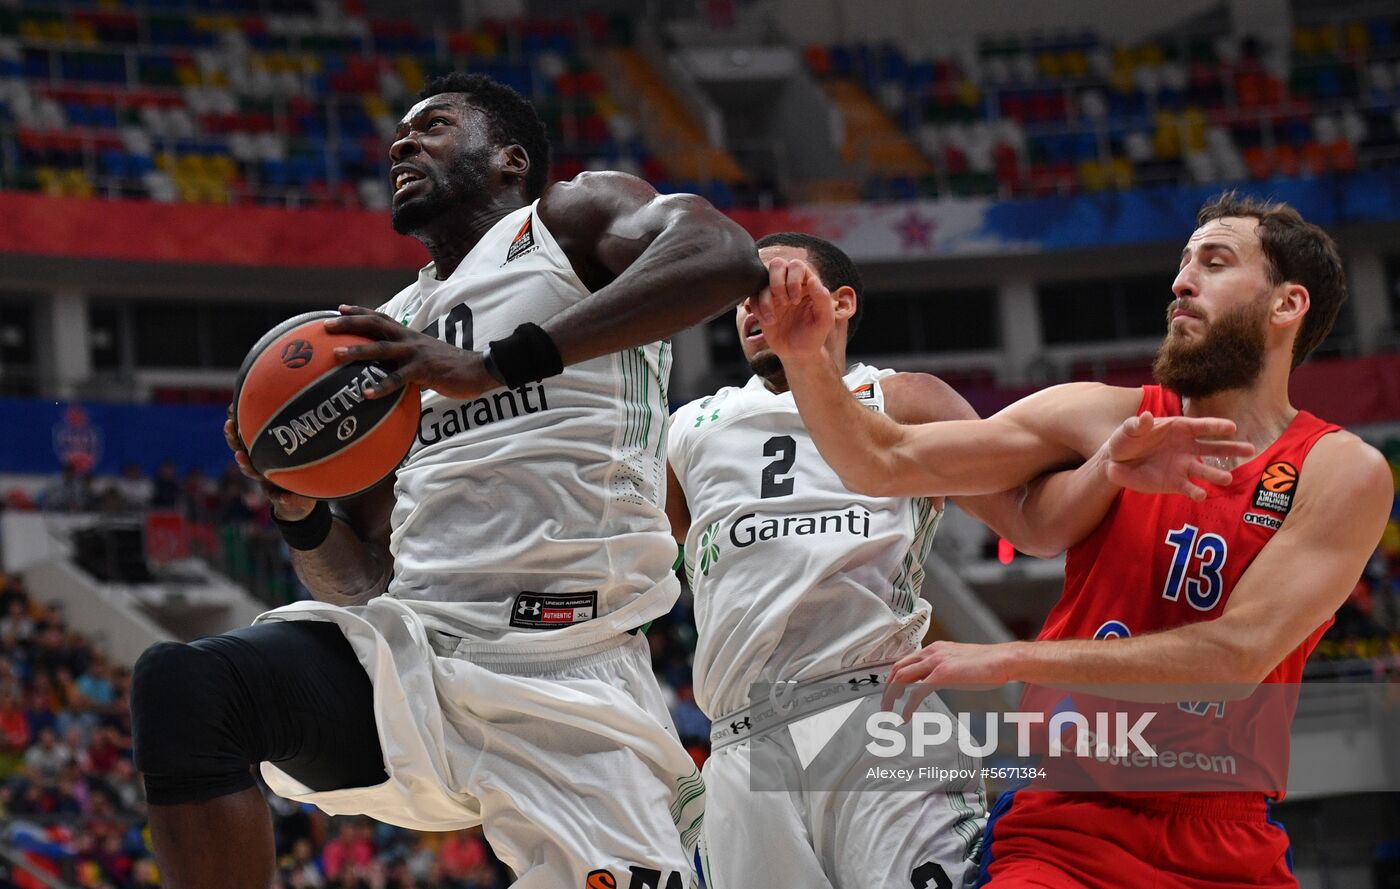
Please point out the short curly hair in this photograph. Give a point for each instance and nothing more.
(513, 119)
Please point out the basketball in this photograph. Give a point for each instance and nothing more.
(304, 419)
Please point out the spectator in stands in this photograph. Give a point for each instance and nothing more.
(95, 685)
(200, 495)
(9, 678)
(72, 491)
(301, 866)
(132, 487)
(166, 490)
(352, 848)
(14, 727)
(233, 502)
(124, 784)
(17, 623)
(465, 859)
(103, 752)
(46, 760)
(41, 704)
(50, 655)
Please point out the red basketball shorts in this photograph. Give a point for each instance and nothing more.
(1051, 840)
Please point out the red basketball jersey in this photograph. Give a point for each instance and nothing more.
(1161, 561)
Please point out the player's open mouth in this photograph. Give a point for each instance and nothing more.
(405, 178)
(753, 330)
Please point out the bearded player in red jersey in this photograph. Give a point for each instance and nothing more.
(1234, 584)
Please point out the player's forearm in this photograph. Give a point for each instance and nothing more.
(876, 456)
(1156, 666)
(859, 444)
(343, 570)
(700, 265)
(1052, 513)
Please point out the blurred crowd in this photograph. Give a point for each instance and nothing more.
(226, 520)
(193, 494)
(72, 804)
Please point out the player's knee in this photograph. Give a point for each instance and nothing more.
(168, 678)
(181, 705)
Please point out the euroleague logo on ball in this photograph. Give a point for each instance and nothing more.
(296, 354)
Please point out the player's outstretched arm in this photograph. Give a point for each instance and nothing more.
(353, 563)
(1059, 509)
(656, 264)
(874, 455)
(1043, 518)
(1295, 584)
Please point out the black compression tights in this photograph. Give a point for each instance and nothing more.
(288, 692)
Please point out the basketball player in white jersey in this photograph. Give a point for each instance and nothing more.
(799, 580)
(473, 654)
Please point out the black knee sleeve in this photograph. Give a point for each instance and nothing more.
(292, 693)
(189, 744)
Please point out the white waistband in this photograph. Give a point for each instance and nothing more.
(787, 701)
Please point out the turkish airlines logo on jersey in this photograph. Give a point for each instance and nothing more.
(1276, 486)
(523, 242)
(866, 393)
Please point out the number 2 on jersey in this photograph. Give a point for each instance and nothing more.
(1208, 551)
(784, 447)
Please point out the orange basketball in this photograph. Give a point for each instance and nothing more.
(304, 419)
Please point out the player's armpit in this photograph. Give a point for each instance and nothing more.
(1305, 573)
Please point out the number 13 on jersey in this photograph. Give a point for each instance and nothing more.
(1197, 560)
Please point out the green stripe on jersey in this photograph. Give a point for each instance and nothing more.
(910, 579)
(663, 376)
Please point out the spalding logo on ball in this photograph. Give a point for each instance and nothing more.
(305, 420)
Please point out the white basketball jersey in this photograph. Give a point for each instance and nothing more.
(537, 511)
(795, 577)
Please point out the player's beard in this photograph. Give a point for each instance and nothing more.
(766, 364)
(469, 177)
(1229, 354)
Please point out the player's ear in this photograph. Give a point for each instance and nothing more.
(1291, 303)
(845, 297)
(514, 160)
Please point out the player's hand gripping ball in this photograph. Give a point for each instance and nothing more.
(305, 420)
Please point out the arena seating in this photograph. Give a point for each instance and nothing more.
(203, 101)
(217, 102)
(1364, 643)
(1070, 113)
